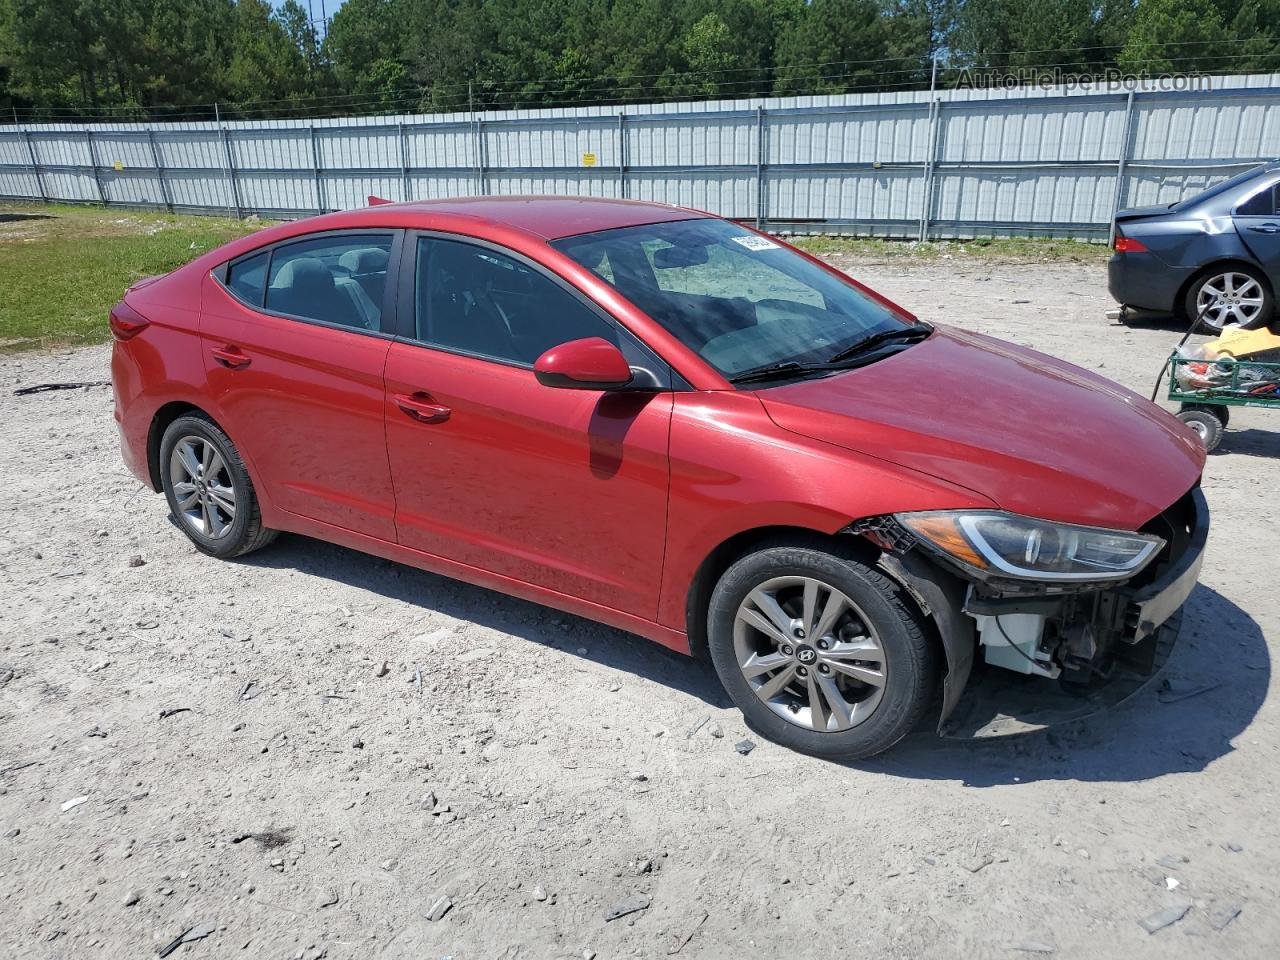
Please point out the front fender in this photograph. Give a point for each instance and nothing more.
(734, 471)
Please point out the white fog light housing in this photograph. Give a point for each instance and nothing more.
(995, 544)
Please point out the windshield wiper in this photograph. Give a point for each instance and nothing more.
(786, 368)
(841, 361)
(911, 334)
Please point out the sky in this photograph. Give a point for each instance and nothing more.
(330, 6)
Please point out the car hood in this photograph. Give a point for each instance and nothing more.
(1033, 434)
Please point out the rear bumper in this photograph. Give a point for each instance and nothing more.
(132, 420)
(1143, 280)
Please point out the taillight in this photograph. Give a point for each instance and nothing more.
(126, 322)
(1129, 245)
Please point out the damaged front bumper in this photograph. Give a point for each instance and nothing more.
(1020, 660)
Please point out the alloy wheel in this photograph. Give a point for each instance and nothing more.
(1231, 298)
(809, 653)
(202, 487)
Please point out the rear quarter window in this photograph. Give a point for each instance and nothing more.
(247, 278)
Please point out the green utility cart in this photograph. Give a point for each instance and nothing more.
(1208, 389)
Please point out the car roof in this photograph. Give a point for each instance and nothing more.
(548, 217)
(505, 220)
(1221, 197)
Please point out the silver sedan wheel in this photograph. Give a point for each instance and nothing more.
(809, 653)
(1231, 298)
(203, 487)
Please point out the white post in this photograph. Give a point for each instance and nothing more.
(1121, 166)
(315, 170)
(935, 107)
(31, 153)
(93, 163)
(233, 193)
(159, 168)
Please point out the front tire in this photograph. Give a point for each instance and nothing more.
(1233, 294)
(822, 653)
(209, 490)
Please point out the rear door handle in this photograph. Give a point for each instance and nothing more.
(1266, 228)
(423, 408)
(230, 357)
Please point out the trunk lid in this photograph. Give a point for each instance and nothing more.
(1141, 213)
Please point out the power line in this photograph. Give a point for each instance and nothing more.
(534, 88)
(541, 87)
(1121, 46)
(461, 86)
(799, 80)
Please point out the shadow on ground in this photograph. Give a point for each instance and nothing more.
(1172, 324)
(1221, 653)
(8, 216)
(1250, 441)
(1220, 647)
(519, 618)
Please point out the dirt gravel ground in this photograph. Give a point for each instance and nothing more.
(211, 748)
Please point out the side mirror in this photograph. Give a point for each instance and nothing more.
(589, 364)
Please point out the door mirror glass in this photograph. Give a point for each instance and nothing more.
(592, 363)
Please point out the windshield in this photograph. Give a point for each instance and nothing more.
(739, 299)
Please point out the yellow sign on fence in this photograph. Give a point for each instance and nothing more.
(588, 159)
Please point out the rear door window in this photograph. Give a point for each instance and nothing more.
(332, 279)
(1261, 204)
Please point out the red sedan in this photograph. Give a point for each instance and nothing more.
(678, 426)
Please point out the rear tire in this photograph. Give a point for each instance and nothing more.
(847, 680)
(1246, 297)
(1207, 425)
(209, 490)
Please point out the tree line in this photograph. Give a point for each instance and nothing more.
(163, 59)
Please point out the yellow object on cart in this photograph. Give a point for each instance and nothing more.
(1237, 342)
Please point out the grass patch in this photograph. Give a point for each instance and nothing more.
(1006, 249)
(63, 267)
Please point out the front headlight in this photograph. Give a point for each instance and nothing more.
(1004, 544)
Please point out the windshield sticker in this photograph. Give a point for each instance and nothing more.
(753, 242)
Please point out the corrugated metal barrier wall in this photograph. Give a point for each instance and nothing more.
(954, 163)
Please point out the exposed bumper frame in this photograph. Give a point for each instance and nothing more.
(1157, 601)
(1152, 612)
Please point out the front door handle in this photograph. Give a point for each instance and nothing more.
(230, 357)
(1266, 228)
(423, 408)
